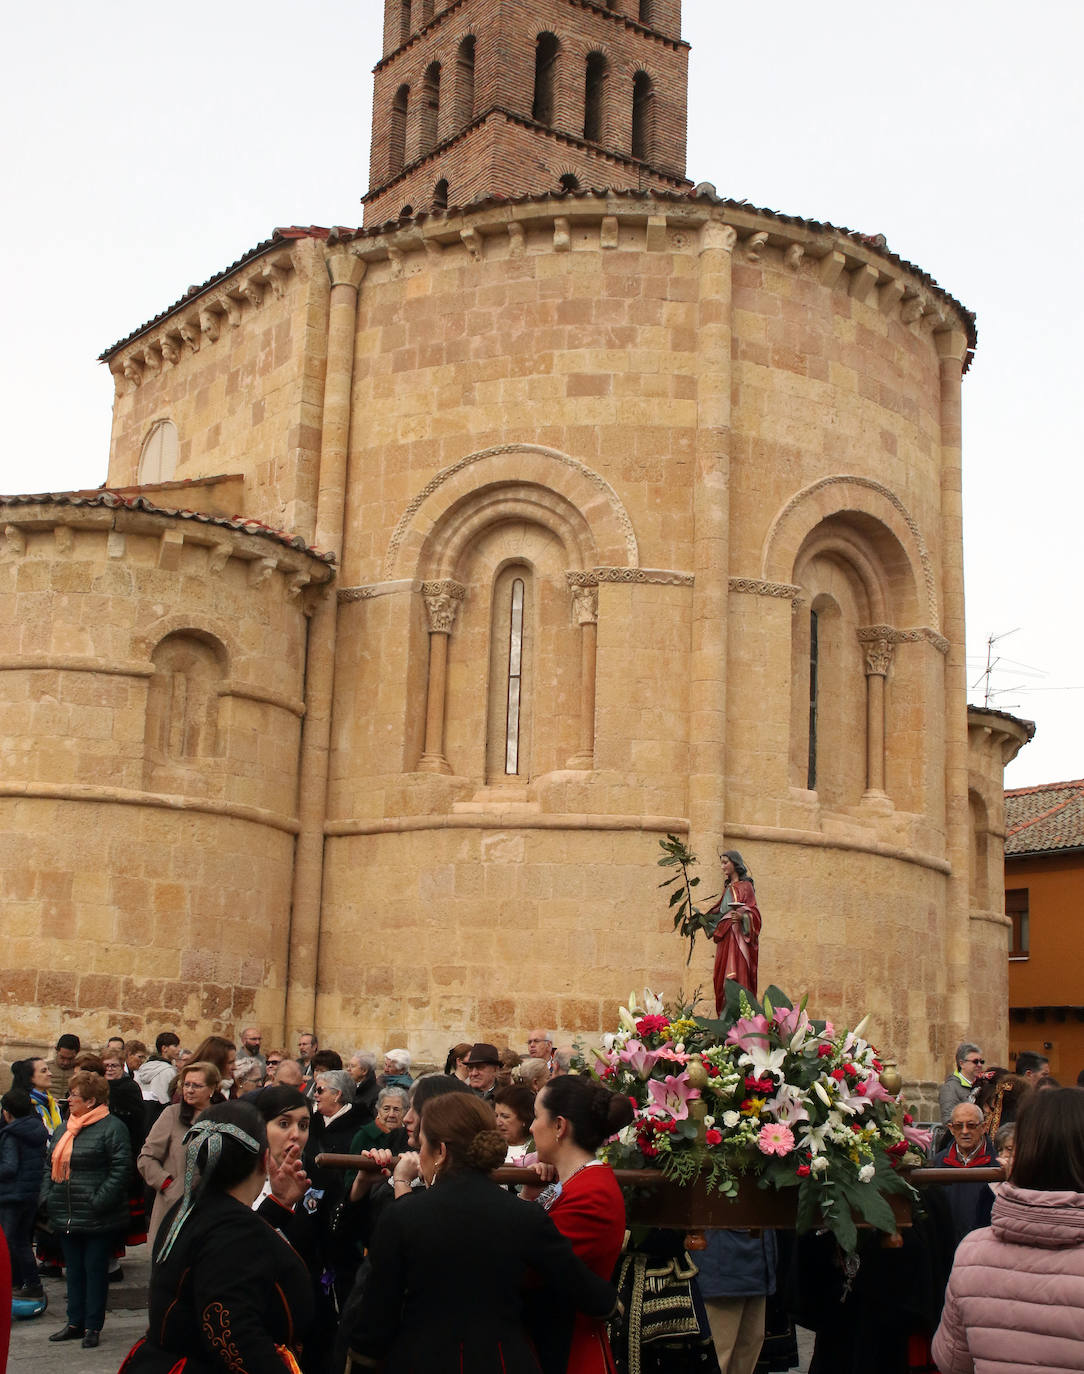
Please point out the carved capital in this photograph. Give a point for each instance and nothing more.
(585, 605)
(715, 235)
(345, 268)
(879, 657)
(441, 603)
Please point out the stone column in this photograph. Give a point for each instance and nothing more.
(441, 603)
(711, 542)
(583, 588)
(878, 659)
(952, 348)
(345, 272)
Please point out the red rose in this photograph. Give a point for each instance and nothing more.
(713, 1137)
(824, 1051)
(908, 1119)
(648, 1025)
(900, 1148)
(802, 1171)
(838, 1075)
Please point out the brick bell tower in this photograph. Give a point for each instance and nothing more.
(522, 97)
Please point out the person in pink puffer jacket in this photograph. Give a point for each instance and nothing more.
(1015, 1298)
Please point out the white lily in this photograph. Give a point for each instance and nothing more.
(653, 1004)
(822, 1092)
(763, 1060)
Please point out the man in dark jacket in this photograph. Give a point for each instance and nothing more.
(970, 1149)
(23, 1140)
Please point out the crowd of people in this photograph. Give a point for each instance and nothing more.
(269, 1253)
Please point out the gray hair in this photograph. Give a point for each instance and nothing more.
(338, 1079)
(400, 1058)
(963, 1049)
(534, 1072)
(384, 1093)
(364, 1057)
(564, 1059)
(246, 1068)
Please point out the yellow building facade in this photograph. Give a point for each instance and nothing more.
(607, 514)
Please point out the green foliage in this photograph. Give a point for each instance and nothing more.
(687, 919)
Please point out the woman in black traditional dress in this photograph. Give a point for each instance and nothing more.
(227, 1291)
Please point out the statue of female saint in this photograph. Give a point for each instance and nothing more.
(737, 931)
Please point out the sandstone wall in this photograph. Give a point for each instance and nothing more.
(240, 373)
(150, 710)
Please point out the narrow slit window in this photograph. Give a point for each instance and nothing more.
(515, 678)
(811, 781)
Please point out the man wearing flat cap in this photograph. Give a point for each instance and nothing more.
(482, 1065)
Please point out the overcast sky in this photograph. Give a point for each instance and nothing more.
(149, 146)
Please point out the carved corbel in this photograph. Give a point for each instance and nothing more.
(296, 584)
(64, 538)
(890, 295)
(912, 308)
(171, 347)
(275, 275)
(210, 323)
(229, 307)
(608, 232)
(218, 557)
(189, 330)
(562, 234)
(441, 603)
(794, 255)
(395, 257)
(260, 569)
(252, 291)
(753, 245)
(831, 267)
(863, 280)
(133, 371)
(14, 541)
(433, 246)
(517, 239)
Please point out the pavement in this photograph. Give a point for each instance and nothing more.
(125, 1322)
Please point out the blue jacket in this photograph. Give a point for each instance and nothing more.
(737, 1264)
(22, 1158)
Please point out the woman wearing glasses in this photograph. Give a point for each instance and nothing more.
(161, 1160)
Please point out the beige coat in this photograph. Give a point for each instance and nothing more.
(161, 1163)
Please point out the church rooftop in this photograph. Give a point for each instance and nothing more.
(1044, 819)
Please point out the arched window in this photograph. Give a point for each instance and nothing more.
(406, 212)
(464, 82)
(181, 726)
(594, 88)
(647, 12)
(397, 132)
(569, 182)
(440, 194)
(643, 117)
(158, 458)
(430, 107)
(545, 73)
(509, 733)
(814, 664)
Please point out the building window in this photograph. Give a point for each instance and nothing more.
(158, 458)
(181, 726)
(464, 83)
(515, 678)
(593, 97)
(545, 71)
(1016, 908)
(430, 107)
(569, 182)
(643, 116)
(814, 655)
(397, 131)
(440, 194)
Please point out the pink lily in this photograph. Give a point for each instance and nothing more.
(748, 1031)
(639, 1058)
(671, 1096)
(787, 1105)
(919, 1138)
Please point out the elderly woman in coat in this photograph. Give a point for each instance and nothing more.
(87, 1201)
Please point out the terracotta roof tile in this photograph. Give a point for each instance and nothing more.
(115, 500)
(1045, 819)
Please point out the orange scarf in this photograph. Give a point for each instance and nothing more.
(62, 1154)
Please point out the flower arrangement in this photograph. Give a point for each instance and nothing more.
(766, 1093)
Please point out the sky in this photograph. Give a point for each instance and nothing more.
(149, 146)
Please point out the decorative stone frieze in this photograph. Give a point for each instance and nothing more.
(660, 577)
(753, 586)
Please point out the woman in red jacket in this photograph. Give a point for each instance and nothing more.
(1015, 1298)
(573, 1116)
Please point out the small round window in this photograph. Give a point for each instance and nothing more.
(158, 461)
